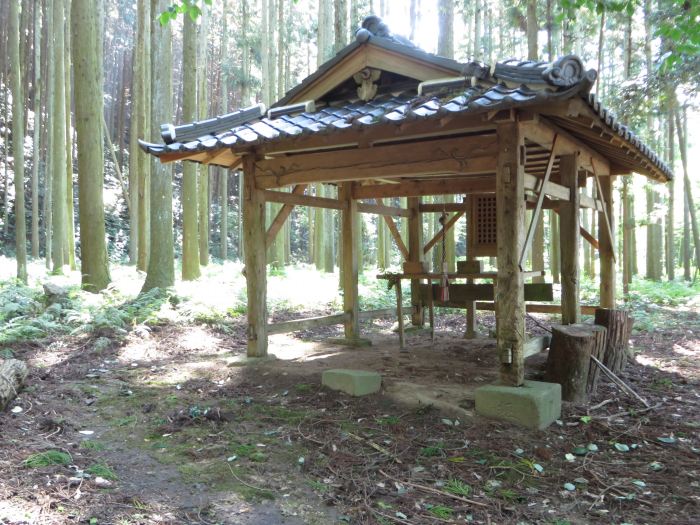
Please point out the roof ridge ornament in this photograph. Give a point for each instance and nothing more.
(374, 26)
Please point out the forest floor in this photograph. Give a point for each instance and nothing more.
(160, 419)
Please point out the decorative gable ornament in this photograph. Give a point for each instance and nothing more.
(367, 83)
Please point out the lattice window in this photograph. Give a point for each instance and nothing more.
(482, 231)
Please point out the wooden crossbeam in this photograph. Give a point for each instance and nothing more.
(396, 235)
(303, 200)
(550, 188)
(459, 156)
(282, 216)
(538, 308)
(418, 188)
(542, 131)
(381, 209)
(591, 203)
(442, 231)
(446, 206)
(538, 207)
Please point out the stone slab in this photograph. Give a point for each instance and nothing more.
(536, 404)
(358, 342)
(353, 382)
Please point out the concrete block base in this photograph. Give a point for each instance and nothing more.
(353, 382)
(534, 405)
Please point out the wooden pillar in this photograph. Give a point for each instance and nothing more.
(349, 260)
(569, 241)
(470, 332)
(607, 261)
(510, 219)
(415, 254)
(255, 262)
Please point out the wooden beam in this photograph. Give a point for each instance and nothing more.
(381, 209)
(303, 200)
(451, 222)
(535, 345)
(510, 212)
(542, 131)
(607, 260)
(550, 188)
(419, 188)
(446, 206)
(396, 234)
(460, 156)
(349, 261)
(255, 264)
(589, 202)
(538, 308)
(415, 255)
(295, 325)
(569, 218)
(538, 206)
(282, 216)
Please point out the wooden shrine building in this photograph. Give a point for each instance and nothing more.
(384, 119)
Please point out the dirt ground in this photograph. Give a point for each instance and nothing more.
(172, 424)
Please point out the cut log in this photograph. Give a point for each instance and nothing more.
(619, 328)
(13, 372)
(598, 351)
(569, 359)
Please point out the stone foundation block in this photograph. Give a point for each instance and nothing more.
(353, 382)
(534, 405)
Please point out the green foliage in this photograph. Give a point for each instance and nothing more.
(48, 458)
(432, 451)
(458, 487)
(664, 293)
(184, 7)
(102, 470)
(441, 511)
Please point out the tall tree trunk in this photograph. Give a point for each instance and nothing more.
(161, 271)
(141, 115)
(48, 164)
(682, 140)
(223, 172)
(670, 238)
(532, 28)
(69, 243)
(203, 206)
(58, 177)
(18, 141)
(88, 119)
(324, 36)
(37, 128)
(190, 244)
(340, 24)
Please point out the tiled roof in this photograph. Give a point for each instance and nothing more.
(509, 84)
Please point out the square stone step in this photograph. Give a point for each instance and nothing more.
(353, 382)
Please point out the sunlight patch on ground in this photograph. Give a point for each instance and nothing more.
(198, 339)
(287, 348)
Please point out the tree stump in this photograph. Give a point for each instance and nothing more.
(619, 328)
(569, 361)
(12, 374)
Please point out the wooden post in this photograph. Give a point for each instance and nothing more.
(510, 219)
(349, 260)
(415, 254)
(255, 262)
(607, 260)
(569, 241)
(470, 332)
